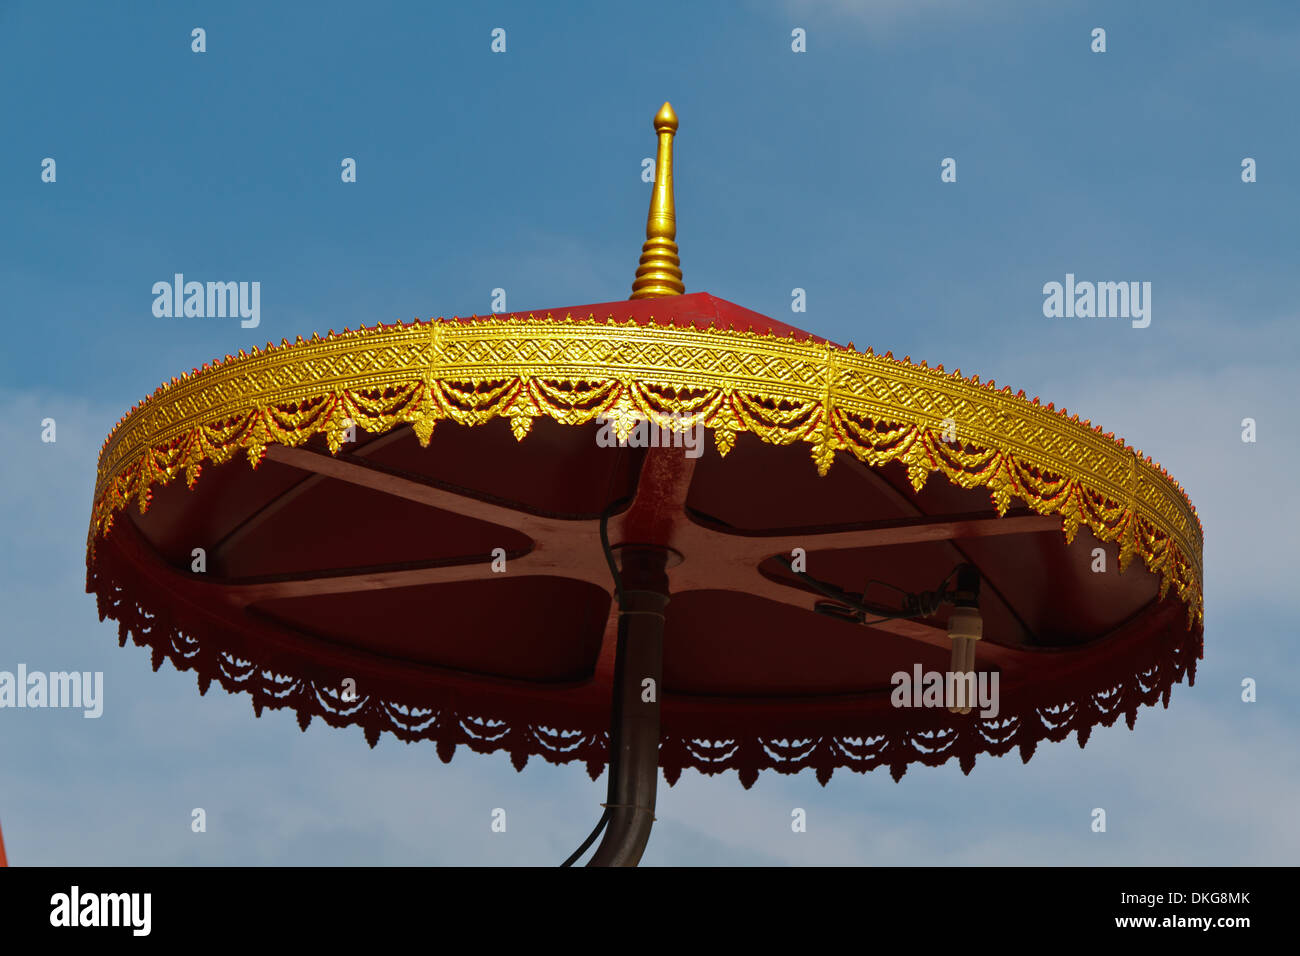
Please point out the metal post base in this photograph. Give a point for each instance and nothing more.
(634, 724)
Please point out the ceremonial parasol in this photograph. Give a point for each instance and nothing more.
(500, 533)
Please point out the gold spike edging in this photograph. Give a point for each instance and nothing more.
(782, 390)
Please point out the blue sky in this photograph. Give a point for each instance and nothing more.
(521, 171)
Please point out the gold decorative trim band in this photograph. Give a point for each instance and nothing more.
(782, 390)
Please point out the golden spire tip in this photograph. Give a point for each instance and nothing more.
(666, 119)
(660, 271)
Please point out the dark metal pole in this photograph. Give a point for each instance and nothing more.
(634, 724)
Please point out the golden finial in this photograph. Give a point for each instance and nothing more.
(660, 272)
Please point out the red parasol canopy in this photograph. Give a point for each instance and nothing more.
(443, 516)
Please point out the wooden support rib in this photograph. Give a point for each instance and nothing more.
(541, 563)
(910, 530)
(376, 478)
(269, 509)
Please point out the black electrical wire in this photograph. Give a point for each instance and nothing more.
(843, 597)
(609, 553)
(591, 838)
(923, 604)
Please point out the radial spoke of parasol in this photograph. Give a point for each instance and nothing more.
(422, 491)
(761, 545)
(390, 576)
(268, 510)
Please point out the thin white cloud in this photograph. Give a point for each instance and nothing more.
(886, 16)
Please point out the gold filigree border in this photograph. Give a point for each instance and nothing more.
(783, 390)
